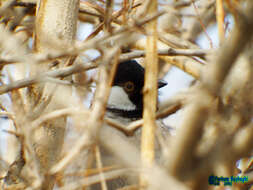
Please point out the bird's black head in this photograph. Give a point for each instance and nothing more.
(126, 93)
(130, 76)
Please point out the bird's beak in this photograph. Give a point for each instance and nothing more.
(162, 83)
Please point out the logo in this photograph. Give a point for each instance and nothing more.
(228, 181)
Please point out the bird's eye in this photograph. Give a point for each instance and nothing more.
(129, 86)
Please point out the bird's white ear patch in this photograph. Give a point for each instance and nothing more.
(119, 99)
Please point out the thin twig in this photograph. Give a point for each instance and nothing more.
(57, 114)
(220, 19)
(63, 72)
(166, 52)
(202, 25)
(100, 166)
(129, 129)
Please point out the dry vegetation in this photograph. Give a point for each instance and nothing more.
(53, 139)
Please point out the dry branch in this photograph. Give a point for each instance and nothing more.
(150, 97)
(181, 161)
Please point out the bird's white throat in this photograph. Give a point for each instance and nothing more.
(119, 99)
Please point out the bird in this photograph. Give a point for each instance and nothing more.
(125, 104)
